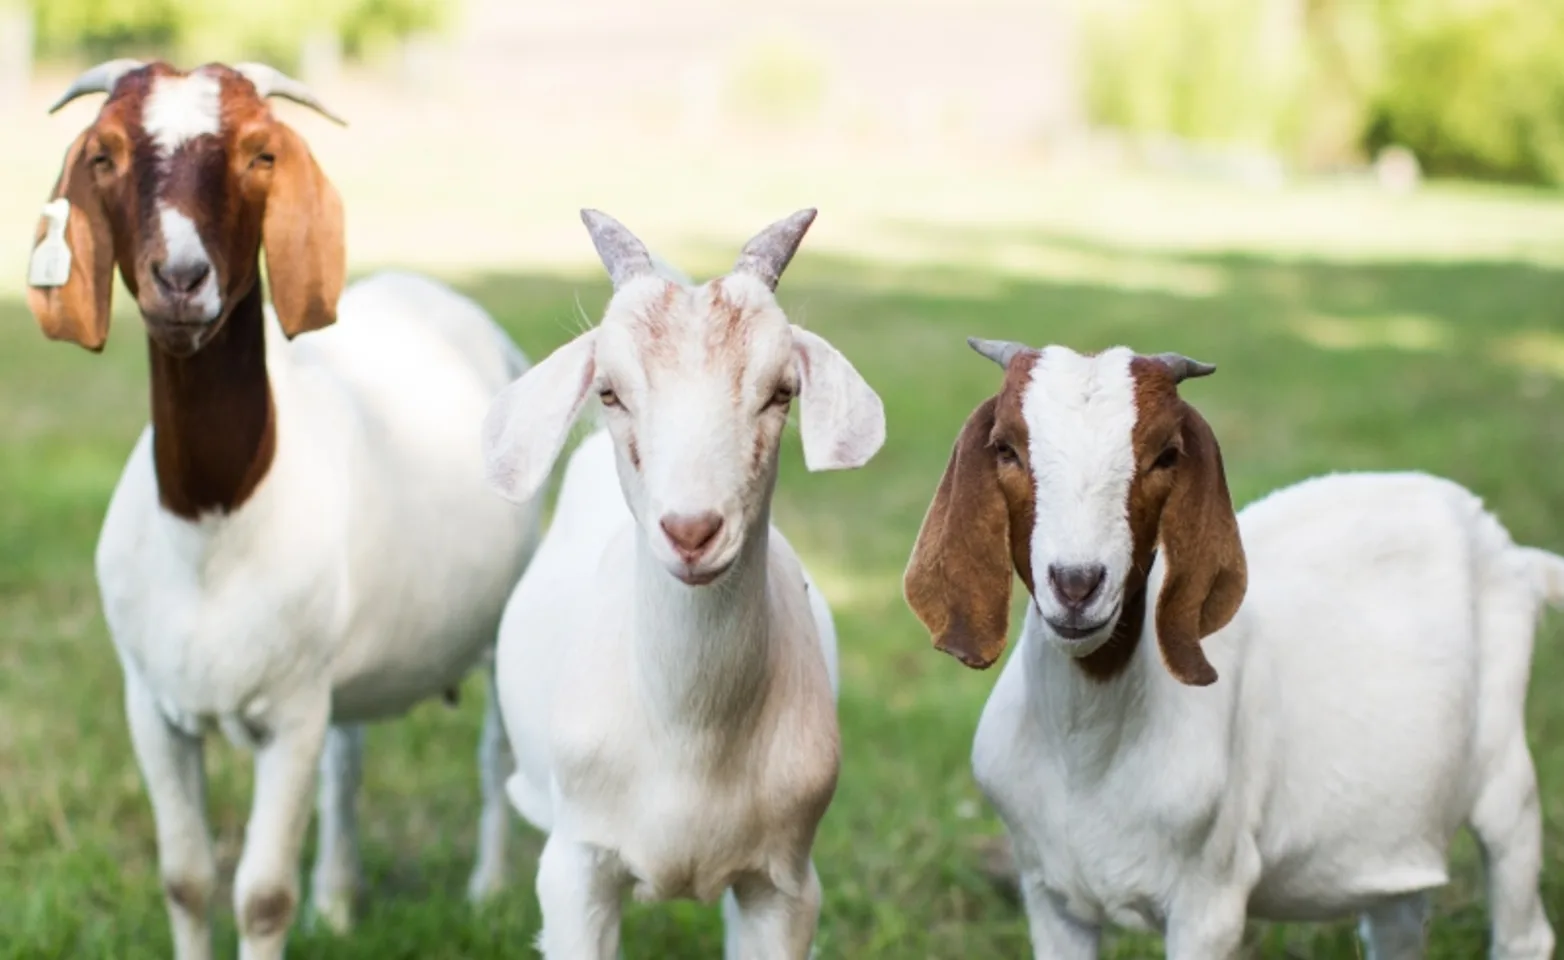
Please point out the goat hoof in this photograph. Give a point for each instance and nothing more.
(484, 886)
(333, 912)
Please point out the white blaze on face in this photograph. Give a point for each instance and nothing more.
(1080, 414)
(182, 108)
(182, 245)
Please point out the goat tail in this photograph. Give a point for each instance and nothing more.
(1548, 569)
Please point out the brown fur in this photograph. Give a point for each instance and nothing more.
(212, 412)
(1206, 573)
(653, 325)
(728, 336)
(213, 424)
(78, 312)
(958, 580)
(306, 259)
(976, 532)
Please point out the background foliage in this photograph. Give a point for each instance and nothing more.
(1473, 87)
(227, 29)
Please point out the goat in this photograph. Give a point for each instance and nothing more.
(1373, 636)
(300, 542)
(667, 669)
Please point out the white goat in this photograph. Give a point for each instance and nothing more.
(660, 668)
(1371, 690)
(302, 540)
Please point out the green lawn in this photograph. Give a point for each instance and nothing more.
(1407, 353)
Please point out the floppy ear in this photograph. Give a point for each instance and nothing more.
(302, 234)
(528, 421)
(958, 580)
(78, 309)
(1206, 573)
(841, 417)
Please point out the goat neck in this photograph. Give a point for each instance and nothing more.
(213, 421)
(704, 653)
(1099, 713)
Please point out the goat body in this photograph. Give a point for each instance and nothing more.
(370, 559)
(687, 735)
(1371, 702)
(367, 572)
(667, 671)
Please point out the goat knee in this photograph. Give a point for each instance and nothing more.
(190, 892)
(267, 912)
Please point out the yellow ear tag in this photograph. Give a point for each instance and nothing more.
(50, 265)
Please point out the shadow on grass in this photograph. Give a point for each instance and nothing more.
(1456, 368)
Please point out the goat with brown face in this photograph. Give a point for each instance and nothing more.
(179, 182)
(1282, 714)
(1071, 475)
(299, 543)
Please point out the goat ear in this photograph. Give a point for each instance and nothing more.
(528, 421)
(303, 235)
(841, 417)
(1206, 574)
(958, 580)
(76, 310)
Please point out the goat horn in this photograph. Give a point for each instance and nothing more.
(1182, 367)
(271, 82)
(999, 351)
(768, 253)
(623, 256)
(100, 79)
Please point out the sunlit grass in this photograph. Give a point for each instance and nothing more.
(1350, 331)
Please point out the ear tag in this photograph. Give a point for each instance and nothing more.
(51, 262)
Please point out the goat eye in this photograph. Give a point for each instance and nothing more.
(102, 162)
(1006, 453)
(1165, 459)
(263, 161)
(609, 398)
(782, 397)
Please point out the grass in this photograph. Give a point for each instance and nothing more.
(1402, 350)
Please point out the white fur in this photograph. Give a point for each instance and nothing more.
(675, 741)
(367, 572)
(1370, 702)
(181, 246)
(1082, 463)
(180, 109)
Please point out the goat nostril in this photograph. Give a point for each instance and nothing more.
(691, 534)
(1077, 584)
(181, 278)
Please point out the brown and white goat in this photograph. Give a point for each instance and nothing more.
(302, 540)
(1285, 713)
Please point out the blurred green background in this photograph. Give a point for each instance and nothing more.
(1351, 208)
(1474, 88)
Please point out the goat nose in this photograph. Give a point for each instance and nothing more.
(691, 534)
(1076, 585)
(184, 277)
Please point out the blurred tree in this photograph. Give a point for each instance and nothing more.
(100, 28)
(1220, 70)
(203, 30)
(1475, 88)
(1472, 87)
